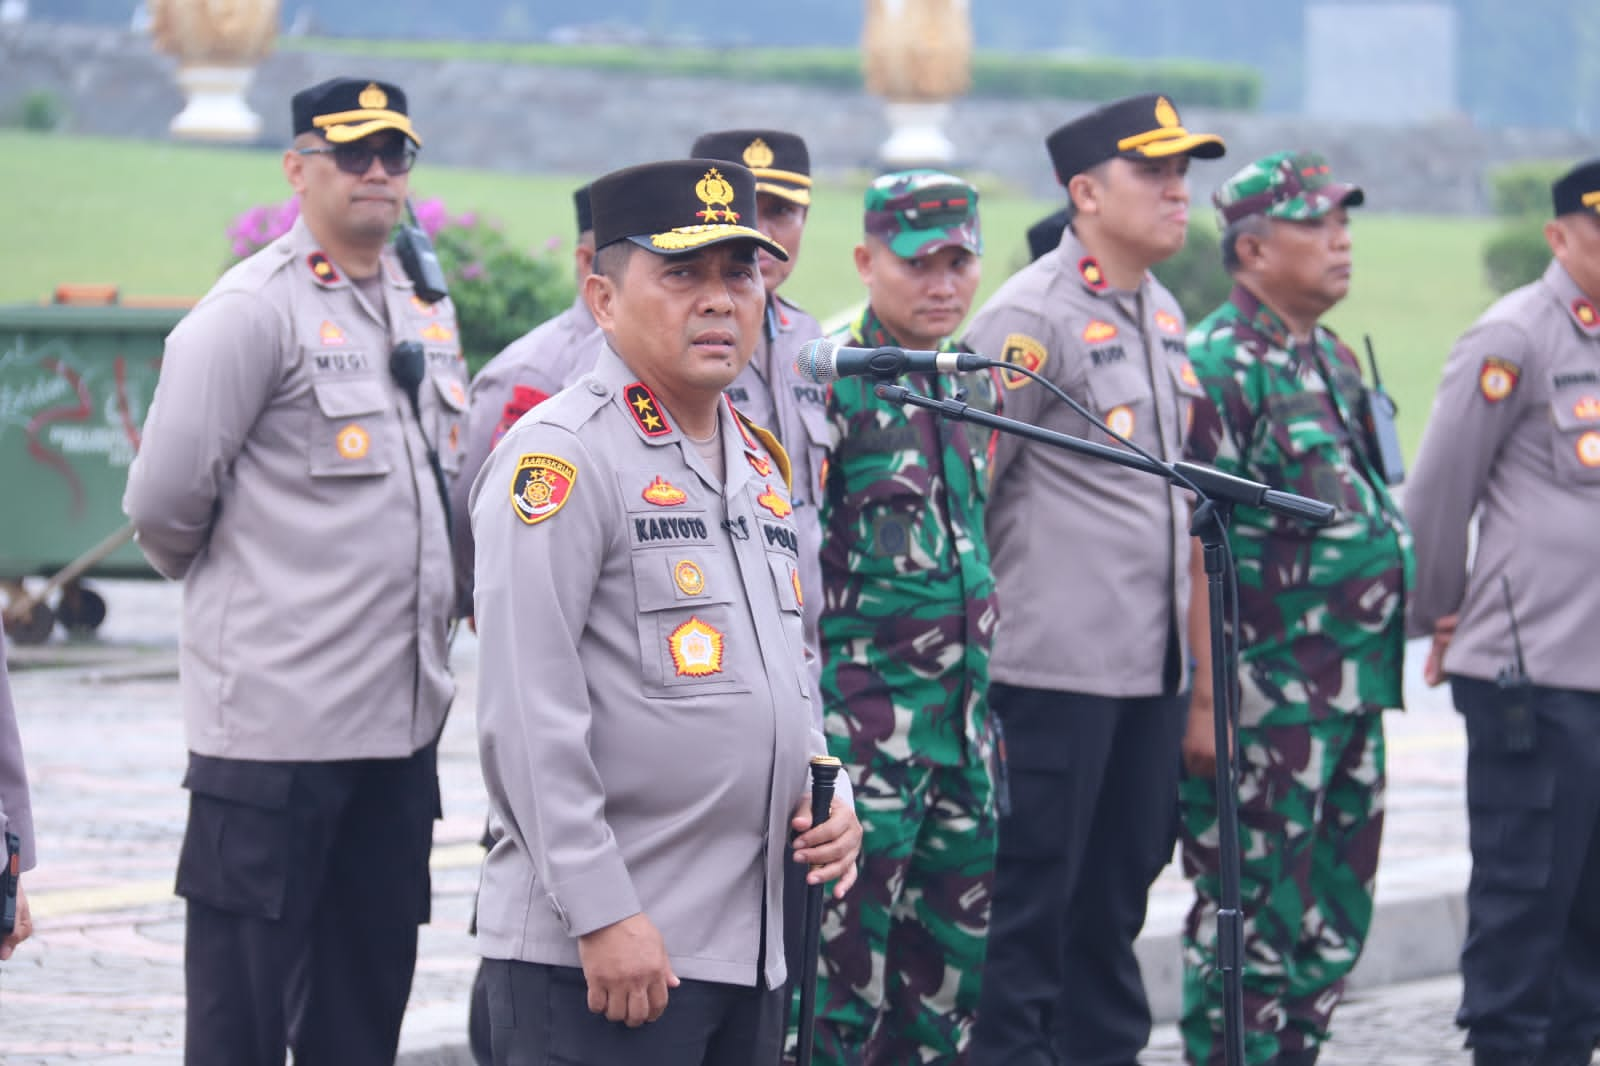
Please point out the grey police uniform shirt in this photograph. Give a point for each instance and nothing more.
(530, 370)
(16, 812)
(643, 709)
(1091, 560)
(772, 394)
(1514, 439)
(283, 476)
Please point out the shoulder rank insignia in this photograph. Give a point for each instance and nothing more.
(541, 486)
(1167, 323)
(775, 503)
(760, 463)
(1022, 350)
(663, 493)
(645, 410)
(696, 649)
(1497, 379)
(322, 268)
(1587, 317)
(1089, 270)
(1097, 331)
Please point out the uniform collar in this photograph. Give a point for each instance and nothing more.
(1262, 319)
(1581, 311)
(301, 246)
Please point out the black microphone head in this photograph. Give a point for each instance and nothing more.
(407, 364)
(815, 361)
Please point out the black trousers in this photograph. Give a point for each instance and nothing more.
(305, 885)
(539, 1016)
(1093, 820)
(1530, 967)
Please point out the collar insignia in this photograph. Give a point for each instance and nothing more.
(759, 463)
(1089, 270)
(1588, 319)
(663, 493)
(646, 412)
(322, 268)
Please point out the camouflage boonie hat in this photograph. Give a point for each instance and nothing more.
(918, 212)
(1295, 186)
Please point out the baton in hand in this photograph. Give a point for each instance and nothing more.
(824, 769)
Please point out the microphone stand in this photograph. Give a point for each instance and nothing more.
(1218, 494)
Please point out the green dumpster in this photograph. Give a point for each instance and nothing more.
(75, 384)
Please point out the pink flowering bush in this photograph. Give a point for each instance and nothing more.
(499, 290)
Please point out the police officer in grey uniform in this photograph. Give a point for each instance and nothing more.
(769, 391)
(644, 714)
(286, 477)
(1091, 569)
(530, 370)
(16, 812)
(1514, 441)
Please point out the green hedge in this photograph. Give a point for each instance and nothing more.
(1522, 189)
(1192, 84)
(1195, 274)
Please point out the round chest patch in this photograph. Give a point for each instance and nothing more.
(1589, 448)
(1120, 419)
(352, 442)
(691, 580)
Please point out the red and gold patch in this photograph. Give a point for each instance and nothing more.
(1587, 409)
(696, 649)
(1587, 316)
(794, 579)
(1497, 379)
(690, 579)
(541, 486)
(744, 430)
(1187, 375)
(458, 393)
(1097, 331)
(1024, 351)
(775, 503)
(330, 334)
(438, 332)
(1120, 419)
(352, 442)
(1089, 270)
(663, 493)
(322, 268)
(759, 463)
(1167, 323)
(642, 404)
(455, 436)
(524, 398)
(1589, 448)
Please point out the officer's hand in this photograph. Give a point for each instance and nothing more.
(23, 928)
(1200, 736)
(1443, 630)
(626, 966)
(831, 848)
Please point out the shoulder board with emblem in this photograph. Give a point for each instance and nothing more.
(652, 421)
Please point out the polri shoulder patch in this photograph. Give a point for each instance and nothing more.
(1024, 351)
(646, 412)
(541, 486)
(1497, 379)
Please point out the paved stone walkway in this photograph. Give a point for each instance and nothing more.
(101, 981)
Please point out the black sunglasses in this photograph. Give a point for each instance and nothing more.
(356, 158)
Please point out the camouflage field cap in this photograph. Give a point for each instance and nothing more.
(918, 212)
(1578, 189)
(1295, 186)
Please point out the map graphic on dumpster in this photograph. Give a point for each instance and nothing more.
(75, 386)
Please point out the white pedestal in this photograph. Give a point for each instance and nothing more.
(916, 136)
(216, 109)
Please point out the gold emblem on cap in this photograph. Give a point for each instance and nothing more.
(1166, 114)
(717, 194)
(373, 98)
(758, 155)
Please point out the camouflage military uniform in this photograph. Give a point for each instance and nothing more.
(907, 621)
(1322, 642)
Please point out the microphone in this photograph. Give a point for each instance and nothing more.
(822, 361)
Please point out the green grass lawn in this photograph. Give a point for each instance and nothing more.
(150, 218)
